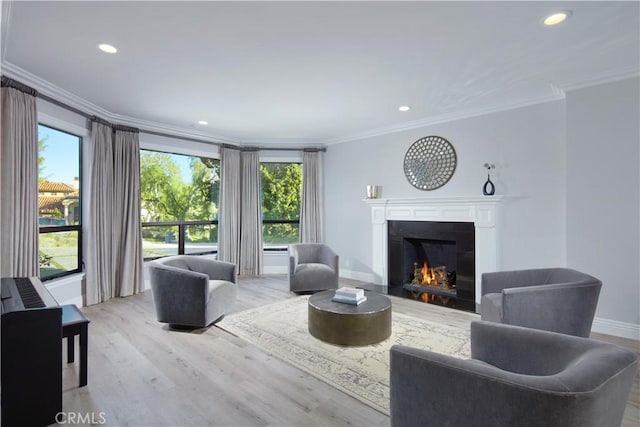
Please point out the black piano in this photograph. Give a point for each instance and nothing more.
(31, 389)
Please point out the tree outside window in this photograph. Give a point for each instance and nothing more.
(281, 196)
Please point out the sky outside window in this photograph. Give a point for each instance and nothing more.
(61, 162)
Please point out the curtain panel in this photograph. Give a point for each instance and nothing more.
(229, 213)
(100, 215)
(113, 249)
(311, 211)
(19, 186)
(127, 249)
(251, 226)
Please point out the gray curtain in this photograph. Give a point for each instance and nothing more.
(113, 243)
(19, 187)
(127, 228)
(100, 214)
(311, 211)
(251, 225)
(229, 214)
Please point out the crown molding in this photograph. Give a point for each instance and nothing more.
(449, 117)
(66, 97)
(557, 92)
(604, 78)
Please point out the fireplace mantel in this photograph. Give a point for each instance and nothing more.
(481, 211)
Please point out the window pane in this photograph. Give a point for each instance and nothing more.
(201, 238)
(159, 241)
(59, 201)
(175, 187)
(281, 193)
(280, 234)
(58, 253)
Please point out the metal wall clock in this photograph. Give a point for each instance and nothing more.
(430, 162)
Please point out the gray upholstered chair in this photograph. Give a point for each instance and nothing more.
(192, 291)
(516, 377)
(553, 299)
(312, 267)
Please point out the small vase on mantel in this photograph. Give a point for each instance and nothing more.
(489, 189)
(373, 191)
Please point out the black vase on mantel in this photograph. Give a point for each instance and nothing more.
(488, 189)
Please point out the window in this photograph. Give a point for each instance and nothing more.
(179, 196)
(59, 202)
(281, 193)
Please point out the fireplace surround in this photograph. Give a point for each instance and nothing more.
(432, 261)
(482, 212)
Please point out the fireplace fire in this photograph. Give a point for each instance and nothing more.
(436, 276)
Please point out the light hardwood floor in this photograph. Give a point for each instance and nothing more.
(142, 374)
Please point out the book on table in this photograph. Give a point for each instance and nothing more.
(349, 300)
(352, 293)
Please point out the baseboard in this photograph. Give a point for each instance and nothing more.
(275, 269)
(357, 275)
(616, 328)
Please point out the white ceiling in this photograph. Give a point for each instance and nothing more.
(311, 72)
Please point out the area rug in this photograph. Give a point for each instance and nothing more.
(363, 372)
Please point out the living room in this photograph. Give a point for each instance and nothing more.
(566, 168)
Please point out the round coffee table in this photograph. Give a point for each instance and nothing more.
(350, 325)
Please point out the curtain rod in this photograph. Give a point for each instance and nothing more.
(9, 82)
(261, 148)
(14, 84)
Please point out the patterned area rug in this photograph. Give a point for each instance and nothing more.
(363, 372)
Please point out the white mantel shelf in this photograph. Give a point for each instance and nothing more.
(482, 211)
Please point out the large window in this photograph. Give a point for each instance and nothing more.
(59, 202)
(179, 204)
(281, 192)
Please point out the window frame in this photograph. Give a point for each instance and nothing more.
(65, 128)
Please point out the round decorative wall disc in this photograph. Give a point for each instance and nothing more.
(430, 162)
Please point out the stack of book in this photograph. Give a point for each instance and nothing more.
(351, 296)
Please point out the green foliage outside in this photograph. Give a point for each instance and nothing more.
(166, 197)
(58, 252)
(42, 145)
(281, 195)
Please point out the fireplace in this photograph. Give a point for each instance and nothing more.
(480, 211)
(433, 262)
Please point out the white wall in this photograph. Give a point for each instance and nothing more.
(526, 145)
(603, 193)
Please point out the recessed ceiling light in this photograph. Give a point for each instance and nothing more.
(404, 108)
(557, 17)
(203, 122)
(107, 48)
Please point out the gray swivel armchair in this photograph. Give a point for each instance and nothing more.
(312, 267)
(516, 377)
(192, 291)
(553, 299)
